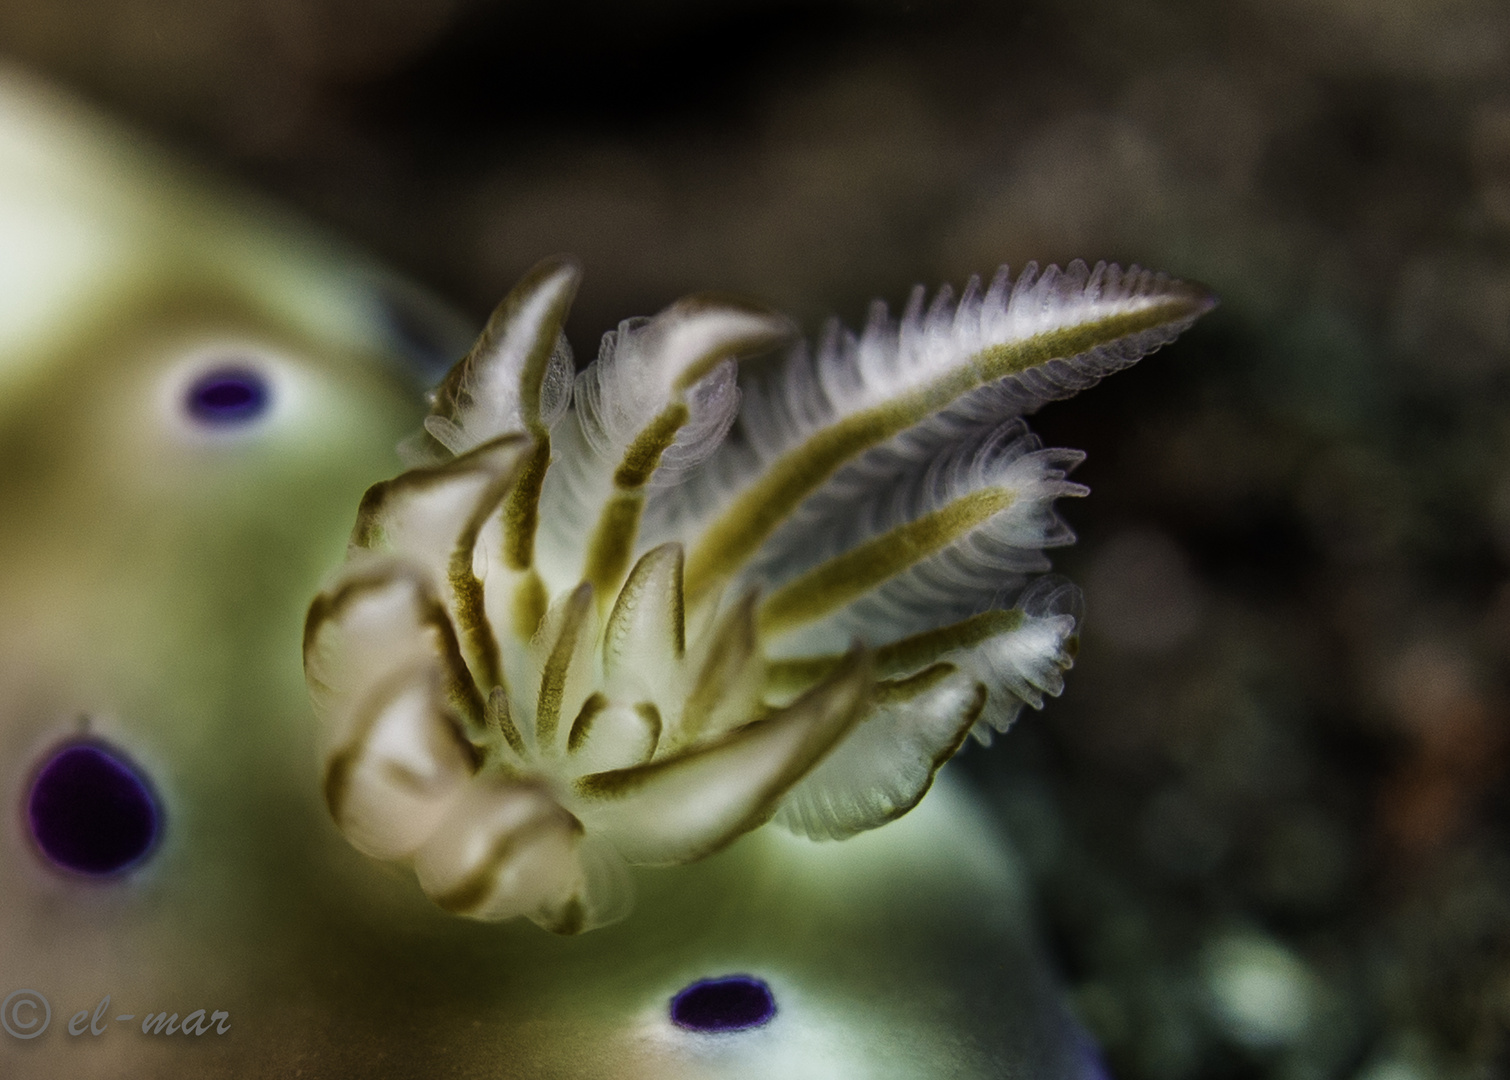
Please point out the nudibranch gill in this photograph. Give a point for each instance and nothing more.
(625, 616)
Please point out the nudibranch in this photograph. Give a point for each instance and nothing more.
(624, 617)
(194, 393)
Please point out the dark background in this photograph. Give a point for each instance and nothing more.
(1267, 820)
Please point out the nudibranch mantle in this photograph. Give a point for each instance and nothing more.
(587, 630)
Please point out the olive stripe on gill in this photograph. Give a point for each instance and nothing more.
(619, 523)
(455, 392)
(737, 532)
(734, 347)
(471, 610)
(612, 540)
(733, 646)
(972, 712)
(967, 718)
(839, 702)
(569, 919)
(521, 510)
(521, 521)
(553, 678)
(532, 377)
(460, 691)
(898, 691)
(343, 761)
(471, 617)
(963, 723)
(581, 727)
(472, 890)
(647, 711)
(500, 716)
(368, 531)
(847, 577)
(531, 602)
(905, 655)
(851, 678)
(634, 592)
(644, 453)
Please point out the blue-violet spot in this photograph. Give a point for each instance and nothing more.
(228, 396)
(92, 811)
(732, 1003)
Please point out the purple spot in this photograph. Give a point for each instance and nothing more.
(91, 810)
(732, 1003)
(228, 396)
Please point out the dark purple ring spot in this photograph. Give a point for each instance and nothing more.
(730, 1003)
(229, 395)
(92, 810)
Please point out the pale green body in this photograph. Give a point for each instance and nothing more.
(153, 580)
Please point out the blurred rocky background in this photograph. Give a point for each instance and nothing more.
(1268, 819)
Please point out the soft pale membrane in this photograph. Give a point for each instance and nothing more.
(157, 576)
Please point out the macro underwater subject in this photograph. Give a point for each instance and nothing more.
(601, 630)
